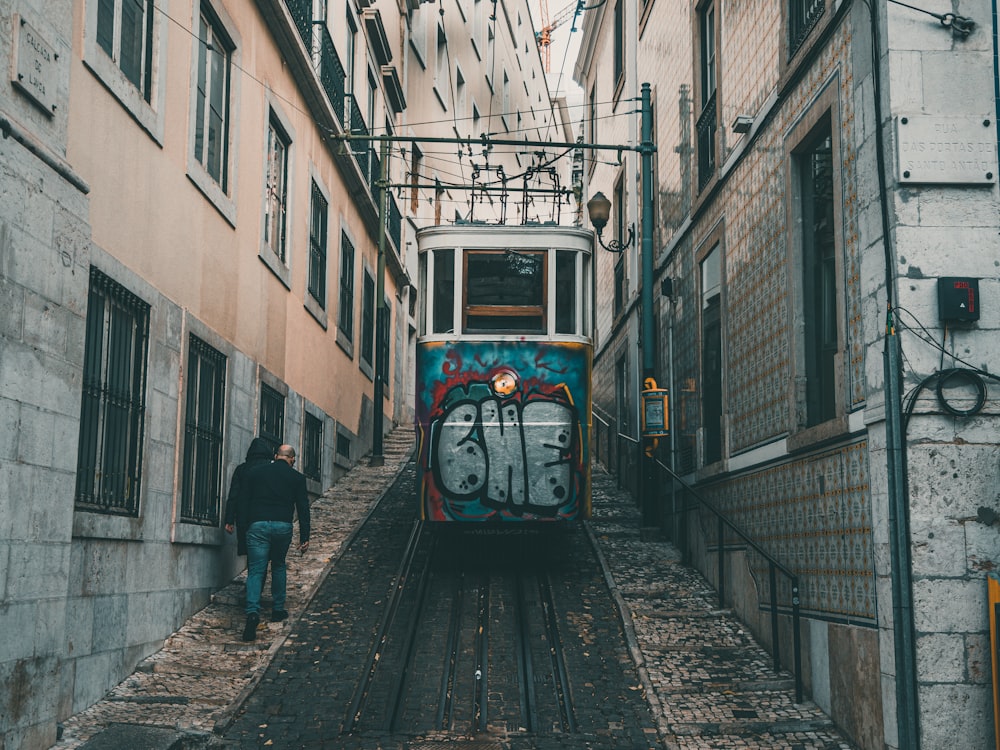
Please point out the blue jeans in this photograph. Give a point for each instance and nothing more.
(267, 541)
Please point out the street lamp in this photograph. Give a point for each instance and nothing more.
(599, 210)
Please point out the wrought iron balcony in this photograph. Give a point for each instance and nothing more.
(802, 16)
(394, 222)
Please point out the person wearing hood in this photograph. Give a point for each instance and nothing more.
(261, 451)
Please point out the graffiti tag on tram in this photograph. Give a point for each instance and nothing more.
(511, 453)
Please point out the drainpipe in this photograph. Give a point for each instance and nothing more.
(901, 574)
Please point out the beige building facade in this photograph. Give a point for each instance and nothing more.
(191, 255)
(815, 163)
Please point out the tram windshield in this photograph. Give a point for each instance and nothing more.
(504, 291)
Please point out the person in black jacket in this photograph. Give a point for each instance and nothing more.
(261, 451)
(275, 493)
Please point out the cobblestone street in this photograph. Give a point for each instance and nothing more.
(709, 685)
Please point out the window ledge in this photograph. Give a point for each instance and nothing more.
(345, 343)
(192, 533)
(316, 310)
(93, 525)
(205, 183)
(820, 433)
(367, 368)
(278, 268)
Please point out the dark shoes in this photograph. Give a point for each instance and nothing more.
(250, 629)
(253, 620)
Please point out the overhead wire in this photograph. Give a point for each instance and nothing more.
(455, 159)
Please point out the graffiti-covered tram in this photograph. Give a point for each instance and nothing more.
(503, 373)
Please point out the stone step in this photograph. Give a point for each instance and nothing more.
(780, 684)
(750, 727)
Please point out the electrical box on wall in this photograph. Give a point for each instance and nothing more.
(958, 299)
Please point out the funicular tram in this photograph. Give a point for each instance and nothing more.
(503, 373)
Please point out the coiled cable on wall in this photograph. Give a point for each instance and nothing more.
(952, 376)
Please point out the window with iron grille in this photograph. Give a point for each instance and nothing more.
(312, 447)
(345, 317)
(343, 446)
(819, 282)
(201, 482)
(272, 415)
(368, 319)
(109, 458)
(276, 188)
(211, 140)
(707, 125)
(317, 246)
(125, 33)
(802, 17)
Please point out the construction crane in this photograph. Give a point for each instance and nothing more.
(544, 36)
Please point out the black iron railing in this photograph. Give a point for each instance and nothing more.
(802, 16)
(301, 12)
(723, 544)
(394, 222)
(333, 78)
(622, 456)
(617, 451)
(331, 72)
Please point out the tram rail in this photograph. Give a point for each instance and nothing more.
(486, 614)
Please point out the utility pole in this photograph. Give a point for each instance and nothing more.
(650, 516)
(378, 459)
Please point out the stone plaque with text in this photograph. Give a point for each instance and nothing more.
(35, 71)
(946, 149)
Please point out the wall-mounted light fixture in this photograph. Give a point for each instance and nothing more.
(599, 210)
(742, 123)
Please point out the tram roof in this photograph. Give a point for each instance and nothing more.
(491, 235)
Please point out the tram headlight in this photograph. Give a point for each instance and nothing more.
(504, 383)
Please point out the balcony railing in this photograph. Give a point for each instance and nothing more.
(394, 222)
(374, 170)
(301, 12)
(332, 76)
(331, 72)
(354, 121)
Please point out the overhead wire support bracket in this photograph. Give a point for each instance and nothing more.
(640, 148)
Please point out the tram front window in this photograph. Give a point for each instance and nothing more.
(505, 291)
(444, 291)
(565, 292)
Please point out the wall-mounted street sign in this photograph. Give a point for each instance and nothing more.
(946, 149)
(34, 65)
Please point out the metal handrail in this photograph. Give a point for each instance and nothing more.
(774, 566)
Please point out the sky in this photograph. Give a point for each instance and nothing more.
(562, 50)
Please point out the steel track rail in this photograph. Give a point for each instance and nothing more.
(361, 692)
(447, 691)
(560, 673)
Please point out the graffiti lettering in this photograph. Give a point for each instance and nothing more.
(511, 456)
